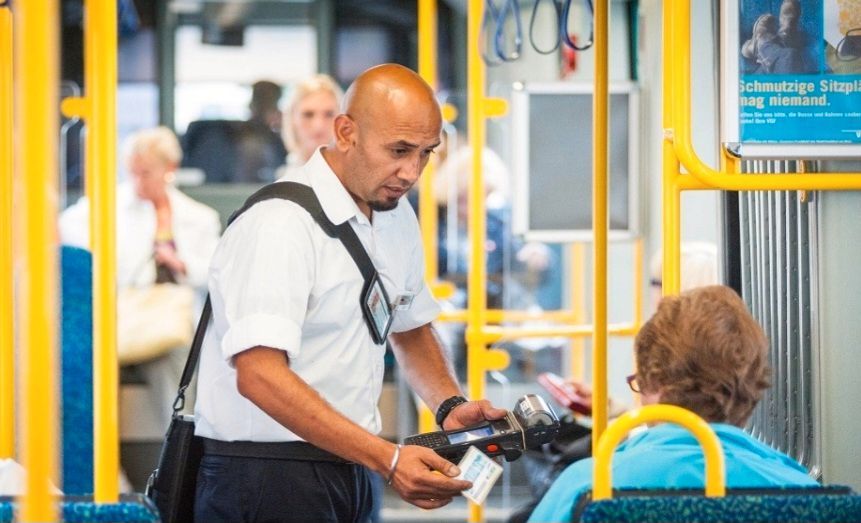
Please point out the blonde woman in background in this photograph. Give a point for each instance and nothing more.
(309, 118)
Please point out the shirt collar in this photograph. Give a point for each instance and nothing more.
(337, 203)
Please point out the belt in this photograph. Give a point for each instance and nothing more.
(288, 450)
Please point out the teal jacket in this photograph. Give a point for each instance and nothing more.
(668, 456)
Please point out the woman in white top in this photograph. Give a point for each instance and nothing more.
(162, 236)
(309, 118)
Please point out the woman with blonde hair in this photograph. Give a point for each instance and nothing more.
(309, 118)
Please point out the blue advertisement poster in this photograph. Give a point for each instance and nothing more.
(799, 71)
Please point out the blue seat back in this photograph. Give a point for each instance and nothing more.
(133, 508)
(802, 505)
(77, 370)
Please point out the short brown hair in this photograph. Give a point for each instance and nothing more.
(702, 350)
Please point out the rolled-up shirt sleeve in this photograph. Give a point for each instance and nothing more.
(262, 274)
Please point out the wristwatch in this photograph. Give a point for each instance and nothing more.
(446, 407)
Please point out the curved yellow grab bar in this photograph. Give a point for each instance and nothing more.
(677, 60)
(602, 470)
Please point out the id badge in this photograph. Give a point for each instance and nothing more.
(376, 309)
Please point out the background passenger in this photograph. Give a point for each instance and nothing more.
(702, 351)
(244, 151)
(520, 275)
(309, 118)
(162, 236)
(260, 149)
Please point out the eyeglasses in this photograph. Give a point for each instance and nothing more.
(632, 382)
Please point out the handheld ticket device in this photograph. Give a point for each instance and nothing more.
(530, 424)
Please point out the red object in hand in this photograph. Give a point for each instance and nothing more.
(564, 393)
(569, 58)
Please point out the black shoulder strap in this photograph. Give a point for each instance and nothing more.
(303, 196)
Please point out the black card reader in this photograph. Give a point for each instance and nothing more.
(530, 424)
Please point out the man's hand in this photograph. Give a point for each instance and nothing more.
(472, 413)
(416, 482)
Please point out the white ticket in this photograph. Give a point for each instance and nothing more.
(482, 471)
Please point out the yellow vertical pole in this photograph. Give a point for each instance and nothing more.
(477, 284)
(670, 276)
(600, 223)
(638, 282)
(428, 219)
(578, 306)
(36, 94)
(7, 299)
(100, 48)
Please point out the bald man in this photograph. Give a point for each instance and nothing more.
(289, 374)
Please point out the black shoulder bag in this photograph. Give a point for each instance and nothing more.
(172, 485)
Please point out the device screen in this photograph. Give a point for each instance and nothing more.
(470, 435)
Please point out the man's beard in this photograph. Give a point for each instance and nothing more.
(383, 205)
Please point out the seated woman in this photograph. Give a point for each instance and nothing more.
(702, 351)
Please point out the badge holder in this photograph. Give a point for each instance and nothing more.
(376, 308)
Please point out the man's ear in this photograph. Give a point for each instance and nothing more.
(345, 132)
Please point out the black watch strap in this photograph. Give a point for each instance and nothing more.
(446, 407)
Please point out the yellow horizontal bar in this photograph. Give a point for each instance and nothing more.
(708, 440)
(495, 107)
(493, 334)
(7, 300)
(74, 107)
(441, 290)
(502, 315)
(679, 64)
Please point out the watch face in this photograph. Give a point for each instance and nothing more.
(377, 310)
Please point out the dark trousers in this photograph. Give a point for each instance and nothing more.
(253, 490)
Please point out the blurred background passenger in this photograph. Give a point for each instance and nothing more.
(699, 268)
(309, 118)
(703, 351)
(233, 151)
(162, 236)
(528, 263)
(520, 275)
(261, 151)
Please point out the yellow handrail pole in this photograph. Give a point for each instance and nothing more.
(680, 64)
(36, 45)
(7, 299)
(670, 262)
(638, 282)
(428, 219)
(602, 468)
(100, 48)
(427, 22)
(578, 306)
(600, 223)
(670, 271)
(477, 283)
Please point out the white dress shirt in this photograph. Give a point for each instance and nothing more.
(277, 280)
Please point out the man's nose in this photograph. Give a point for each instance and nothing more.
(412, 170)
